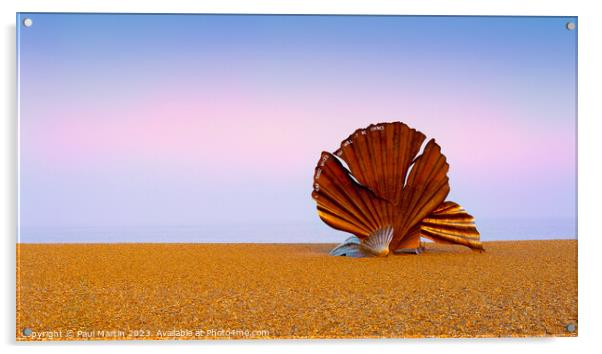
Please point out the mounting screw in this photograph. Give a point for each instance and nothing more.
(571, 25)
(27, 22)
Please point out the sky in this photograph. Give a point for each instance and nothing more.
(171, 120)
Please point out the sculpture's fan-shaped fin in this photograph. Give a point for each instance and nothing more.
(346, 205)
(450, 223)
(426, 188)
(379, 157)
(378, 243)
(391, 196)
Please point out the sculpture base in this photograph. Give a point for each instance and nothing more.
(417, 250)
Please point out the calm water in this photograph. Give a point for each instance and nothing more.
(511, 229)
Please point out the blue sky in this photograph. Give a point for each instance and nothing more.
(216, 119)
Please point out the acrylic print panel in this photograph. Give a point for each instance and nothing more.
(287, 176)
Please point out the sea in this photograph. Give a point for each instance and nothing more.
(291, 232)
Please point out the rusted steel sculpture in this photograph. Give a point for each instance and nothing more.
(387, 196)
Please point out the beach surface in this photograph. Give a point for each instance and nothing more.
(243, 291)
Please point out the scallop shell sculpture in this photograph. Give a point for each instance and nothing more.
(388, 196)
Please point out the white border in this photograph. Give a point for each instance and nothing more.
(590, 25)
